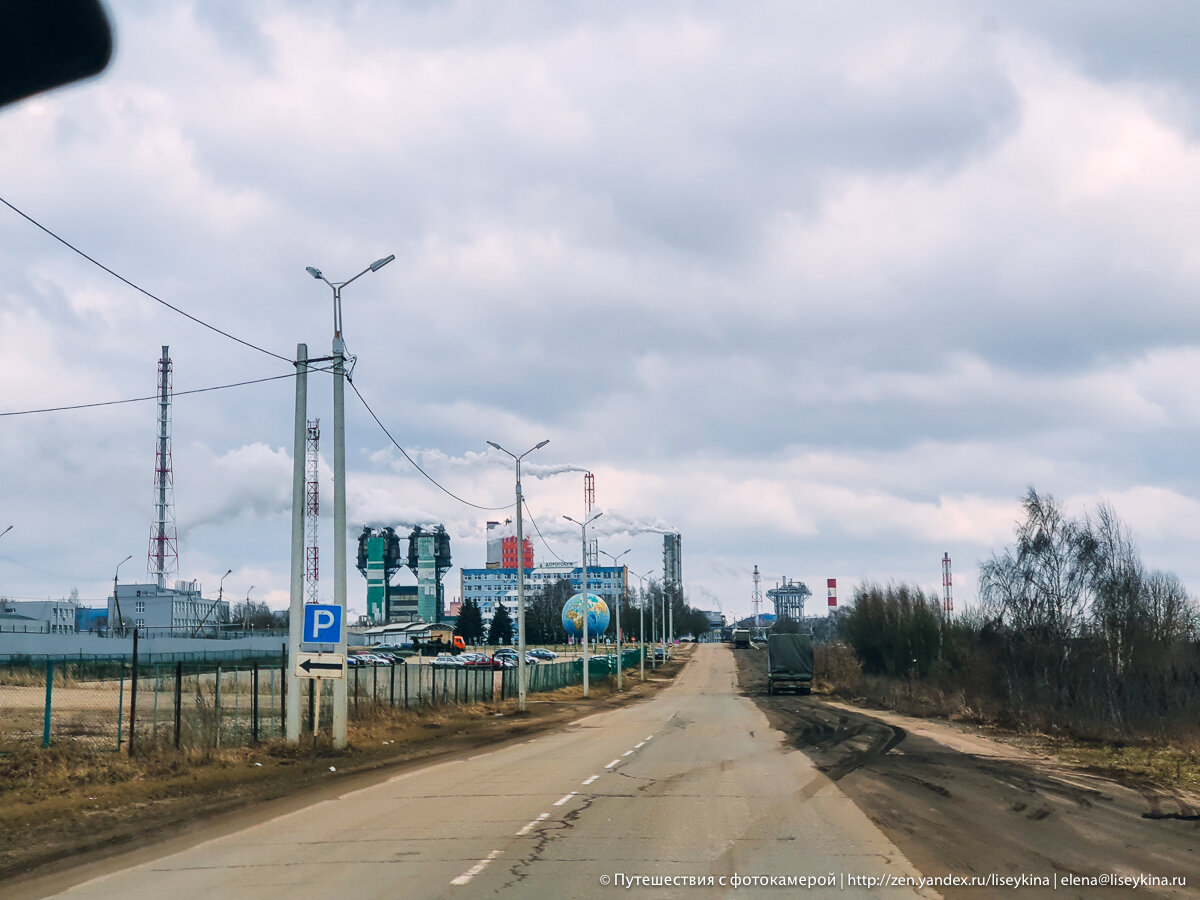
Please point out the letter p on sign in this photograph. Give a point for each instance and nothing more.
(322, 624)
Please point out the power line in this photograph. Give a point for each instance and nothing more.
(139, 288)
(539, 531)
(219, 387)
(429, 477)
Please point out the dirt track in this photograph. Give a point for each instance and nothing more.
(959, 803)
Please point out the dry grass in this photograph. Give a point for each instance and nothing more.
(62, 801)
(1171, 761)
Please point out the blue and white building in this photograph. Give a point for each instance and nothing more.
(487, 587)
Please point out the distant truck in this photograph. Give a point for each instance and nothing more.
(437, 646)
(789, 663)
(741, 638)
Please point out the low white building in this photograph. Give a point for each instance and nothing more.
(47, 616)
(180, 610)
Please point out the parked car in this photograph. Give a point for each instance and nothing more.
(373, 659)
(543, 653)
(506, 651)
(505, 662)
(477, 661)
(447, 662)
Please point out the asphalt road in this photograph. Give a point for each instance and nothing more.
(691, 784)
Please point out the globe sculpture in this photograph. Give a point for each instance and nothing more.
(572, 617)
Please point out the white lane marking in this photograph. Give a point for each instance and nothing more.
(613, 763)
(649, 737)
(590, 780)
(524, 831)
(639, 746)
(565, 799)
(466, 876)
(627, 752)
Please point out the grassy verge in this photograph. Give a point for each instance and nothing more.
(62, 806)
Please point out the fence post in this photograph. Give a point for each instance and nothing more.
(356, 690)
(178, 699)
(283, 688)
(217, 708)
(49, 693)
(120, 705)
(392, 688)
(133, 694)
(254, 702)
(312, 705)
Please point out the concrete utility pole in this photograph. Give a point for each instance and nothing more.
(340, 736)
(120, 628)
(584, 580)
(522, 671)
(296, 599)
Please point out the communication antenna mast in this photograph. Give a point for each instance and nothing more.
(947, 586)
(589, 500)
(756, 601)
(163, 556)
(312, 510)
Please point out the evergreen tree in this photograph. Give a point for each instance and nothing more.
(501, 629)
(470, 622)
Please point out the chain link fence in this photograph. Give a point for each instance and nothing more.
(149, 703)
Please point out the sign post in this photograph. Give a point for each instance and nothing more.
(323, 632)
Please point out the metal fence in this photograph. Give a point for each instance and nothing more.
(111, 704)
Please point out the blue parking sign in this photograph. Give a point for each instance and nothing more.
(322, 624)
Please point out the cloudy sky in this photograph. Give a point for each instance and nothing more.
(823, 286)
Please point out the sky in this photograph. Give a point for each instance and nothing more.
(823, 287)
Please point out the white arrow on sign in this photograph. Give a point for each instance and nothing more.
(320, 665)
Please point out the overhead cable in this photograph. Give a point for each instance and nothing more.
(539, 531)
(219, 387)
(429, 477)
(139, 288)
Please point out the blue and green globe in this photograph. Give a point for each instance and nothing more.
(572, 617)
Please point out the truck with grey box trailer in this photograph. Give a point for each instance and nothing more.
(741, 639)
(789, 663)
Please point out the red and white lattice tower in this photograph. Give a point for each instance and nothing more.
(756, 599)
(312, 510)
(831, 586)
(589, 500)
(947, 586)
(163, 556)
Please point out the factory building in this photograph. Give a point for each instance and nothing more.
(180, 610)
(489, 586)
(502, 546)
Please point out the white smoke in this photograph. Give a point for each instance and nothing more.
(537, 471)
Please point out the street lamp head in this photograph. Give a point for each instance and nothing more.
(315, 273)
(497, 446)
(542, 444)
(380, 263)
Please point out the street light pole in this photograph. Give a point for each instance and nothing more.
(340, 736)
(618, 606)
(116, 600)
(642, 620)
(586, 606)
(522, 671)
